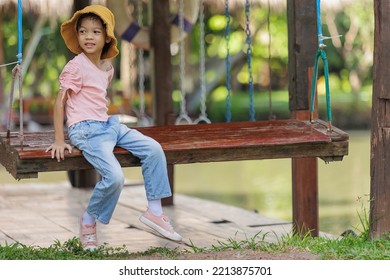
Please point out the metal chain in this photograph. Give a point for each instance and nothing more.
(249, 60)
(183, 117)
(143, 118)
(141, 67)
(203, 115)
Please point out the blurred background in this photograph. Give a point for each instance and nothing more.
(263, 186)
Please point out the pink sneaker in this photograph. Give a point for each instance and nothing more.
(88, 236)
(161, 224)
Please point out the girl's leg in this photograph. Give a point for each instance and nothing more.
(154, 170)
(154, 166)
(106, 192)
(97, 142)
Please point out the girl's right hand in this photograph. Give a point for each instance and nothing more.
(58, 150)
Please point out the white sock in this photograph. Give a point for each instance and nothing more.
(88, 219)
(155, 207)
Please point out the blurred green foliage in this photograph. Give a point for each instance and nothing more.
(48, 60)
(350, 55)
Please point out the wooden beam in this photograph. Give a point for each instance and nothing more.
(302, 45)
(380, 125)
(162, 73)
(161, 61)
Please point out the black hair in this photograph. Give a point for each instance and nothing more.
(93, 17)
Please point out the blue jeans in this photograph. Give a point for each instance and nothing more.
(97, 140)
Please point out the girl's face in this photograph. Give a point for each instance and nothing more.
(92, 37)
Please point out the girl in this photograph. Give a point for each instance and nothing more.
(82, 102)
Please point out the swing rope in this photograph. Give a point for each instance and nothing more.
(8, 64)
(17, 76)
(321, 54)
(203, 115)
(183, 116)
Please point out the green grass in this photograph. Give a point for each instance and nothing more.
(69, 250)
(348, 247)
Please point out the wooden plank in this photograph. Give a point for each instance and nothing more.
(189, 144)
(203, 136)
(51, 212)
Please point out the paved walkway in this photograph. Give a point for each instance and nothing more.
(38, 214)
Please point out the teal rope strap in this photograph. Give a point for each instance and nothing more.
(17, 76)
(20, 32)
(321, 54)
(228, 113)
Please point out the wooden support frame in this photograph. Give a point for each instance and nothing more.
(203, 143)
(302, 46)
(298, 138)
(162, 73)
(380, 125)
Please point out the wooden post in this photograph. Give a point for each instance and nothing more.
(3, 105)
(380, 124)
(80, 4)
(161, 57)
(302, 45)
(162, 71)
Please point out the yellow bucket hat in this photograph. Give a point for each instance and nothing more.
(69, 32)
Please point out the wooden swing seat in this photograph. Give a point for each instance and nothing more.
(189, 144)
